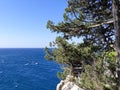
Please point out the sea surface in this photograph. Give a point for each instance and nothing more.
(27, 69)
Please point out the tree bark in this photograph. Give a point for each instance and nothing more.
(116, 16)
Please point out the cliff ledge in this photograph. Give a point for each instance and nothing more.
(67, 84)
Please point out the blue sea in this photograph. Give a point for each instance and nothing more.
(27, 69)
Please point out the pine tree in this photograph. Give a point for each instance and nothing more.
(93, 21)
(81, 18)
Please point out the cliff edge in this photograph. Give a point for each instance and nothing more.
(67, 84)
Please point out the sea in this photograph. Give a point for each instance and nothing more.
(27, 69)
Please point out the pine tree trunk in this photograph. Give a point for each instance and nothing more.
(116, 16)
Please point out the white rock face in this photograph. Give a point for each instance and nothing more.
(75, 87)
(67, 85)
(60, 85)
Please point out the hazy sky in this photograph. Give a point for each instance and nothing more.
(23, 22)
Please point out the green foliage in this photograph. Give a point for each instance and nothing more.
(49, 55)
(101, 75)
(96, 53)
(63, 75)
(111, 61)
(68, 54)
(87, 81)
(80, 15)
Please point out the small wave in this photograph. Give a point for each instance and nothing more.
(26, 64)
(16, 84)
(1, 72)
(36, 63)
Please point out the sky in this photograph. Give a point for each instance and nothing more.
(23, 22)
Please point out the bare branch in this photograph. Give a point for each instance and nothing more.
(104, 22)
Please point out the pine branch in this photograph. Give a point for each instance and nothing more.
(104, 22)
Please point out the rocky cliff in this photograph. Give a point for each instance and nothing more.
(68, 84)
